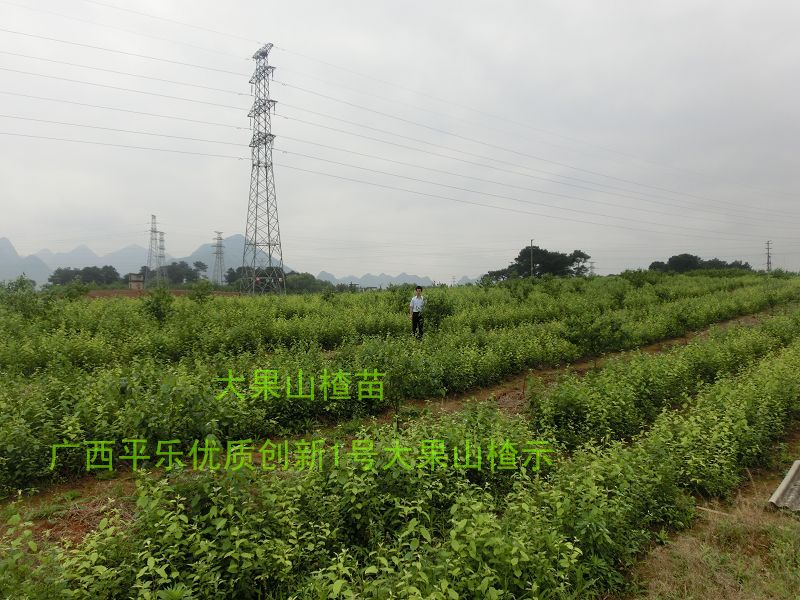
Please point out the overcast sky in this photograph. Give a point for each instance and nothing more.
(630, 130)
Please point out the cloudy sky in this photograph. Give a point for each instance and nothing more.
(630, 130)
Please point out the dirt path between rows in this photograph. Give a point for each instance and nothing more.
(510, 393)
(742, 549)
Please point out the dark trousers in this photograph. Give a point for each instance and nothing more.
(416, 324)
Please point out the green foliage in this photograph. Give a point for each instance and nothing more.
(158, 304)
(96, 275)
(572, 531)
(537, 262)
(682, 263)
(107, 369)
(627, 395)
(20, 296)
(68, 291)
(201, 291)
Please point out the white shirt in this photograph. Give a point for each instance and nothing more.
(416, 304)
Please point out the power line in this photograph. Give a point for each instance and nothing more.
(123, 89)
(283, 166)
(164, 60)
(360, 125)
(659, 200)
(510, 185)
(131, 31)
(493, 195)
(174, 21)
(498, 147)
(177, 137)
(351, 179)
(45, 137)
(72, 64)
(393, 84)
(341, 149)
(369, 170)
(135, 112)
(211, 50)
(354, 166)
(350, 133)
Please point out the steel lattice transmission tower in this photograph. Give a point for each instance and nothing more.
(153, 275)
(161, 259)
(262, 258)
(218, 271)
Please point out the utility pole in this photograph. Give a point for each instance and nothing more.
(262, 258)
(219, 263)
(531, 258)
(769, 256)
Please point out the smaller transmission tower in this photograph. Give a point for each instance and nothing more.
(218, 271)
(153, 275)
(769, 256)
(161, 261)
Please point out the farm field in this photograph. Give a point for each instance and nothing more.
(621, 452)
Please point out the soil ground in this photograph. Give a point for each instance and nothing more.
(740, 549)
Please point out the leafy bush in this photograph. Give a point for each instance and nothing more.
(158, 303)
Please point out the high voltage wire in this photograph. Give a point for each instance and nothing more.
(519, 187)
(350, 133)
(104, 49)
(360, 125)
(72, 64)
(394, 84)
(136, 112)
(174, 21)
(404, 120)
(370, 183)
(493, 182)
(45, 137)
(390, 160)
(372, 156)
(372, 170)
(659, 200)
(106, 25)
(474, 140)
(513, 121)
(495, 195)
(480, 204)
(349, 151)
(123, 89)
(211, 50)
(176, 137)
(496, 146)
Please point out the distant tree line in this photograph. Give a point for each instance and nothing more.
(680, 263)
(178, 273)
(296, 283)
(181, 273)
(536, 261)
(96, 275)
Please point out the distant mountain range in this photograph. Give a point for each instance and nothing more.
(383, 280)
(40, 265)
(12, 264)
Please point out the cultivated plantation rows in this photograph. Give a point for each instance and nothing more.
(79, 370)
(632, 443)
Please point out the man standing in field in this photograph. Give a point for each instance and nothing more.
(415, 312)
